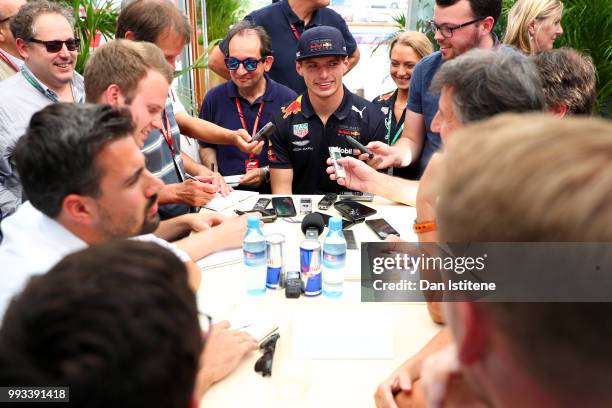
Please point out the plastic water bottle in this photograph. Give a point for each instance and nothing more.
(254, 255)
(334, 259)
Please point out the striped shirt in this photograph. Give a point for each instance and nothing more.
(164, 161)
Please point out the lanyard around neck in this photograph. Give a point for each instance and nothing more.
(45, 92)
(399, 130)
(8, 62)
(243, 122)
(167, 134)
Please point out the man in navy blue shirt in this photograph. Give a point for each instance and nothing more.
(320, 118)
(285, 22)
(248, 102)
(460, 25)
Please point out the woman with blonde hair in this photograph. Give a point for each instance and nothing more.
(534, 25)
(405, 51)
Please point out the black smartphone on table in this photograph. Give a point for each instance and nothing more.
(284, 206)
(353, 210)
(261, 203)
(345, 223)
(327, 201)
(381, 228)
(351, 242)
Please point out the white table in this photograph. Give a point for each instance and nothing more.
(304, 382)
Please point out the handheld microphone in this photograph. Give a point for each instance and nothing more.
(312, 225)
(353, 142)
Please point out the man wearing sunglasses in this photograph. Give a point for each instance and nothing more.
(285, 21)
(459, 26)
(248, 101)
(320, 118)
(10, 60)
(44, 34)
(163, 24)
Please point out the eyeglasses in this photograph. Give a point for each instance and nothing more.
(4, 20)
(447, 31)
(250, 64)
(264, 364)
(56, 45)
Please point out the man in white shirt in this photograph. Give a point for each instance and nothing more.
(44, 35)
(87, 183)
(101, 192)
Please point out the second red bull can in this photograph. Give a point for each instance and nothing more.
(276, 261)
(310, 266)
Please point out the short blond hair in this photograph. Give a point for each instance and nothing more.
(124, 63)
(528, 177)
(415, 40)
(522, 14)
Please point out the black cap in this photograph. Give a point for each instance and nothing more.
(321, 41)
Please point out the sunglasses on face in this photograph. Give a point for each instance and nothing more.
(56, 45)
(264, 364)
(250, 64)
(4, 20)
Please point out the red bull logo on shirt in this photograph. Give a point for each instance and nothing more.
(293, 108)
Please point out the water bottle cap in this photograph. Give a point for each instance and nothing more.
(253, 221)
(335, 223)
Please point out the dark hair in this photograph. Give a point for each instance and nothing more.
(246, 25)
(488, 82)
(480, 8)
(117, 323)
(568, 77)
(57, 155)
(148, 19)
(23, 23)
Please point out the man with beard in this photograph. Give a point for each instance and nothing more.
(459, 26)
(87, 183)
(101, 192)
(44, 35)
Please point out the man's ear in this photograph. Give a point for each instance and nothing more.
(79, 209)
(487, 24)
(559, 109)
(22, 47)
(298, 68)
(269, 60)
(129, 35)
(471, 338)
(113, 95)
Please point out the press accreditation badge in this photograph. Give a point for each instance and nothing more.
(251, 164)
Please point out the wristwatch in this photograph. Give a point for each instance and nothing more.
(266, 174)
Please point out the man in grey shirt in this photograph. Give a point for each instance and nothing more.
(44, 34)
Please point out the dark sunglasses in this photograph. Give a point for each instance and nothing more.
(264, 364)
(250, 64)
(56, 45)
(4, 20)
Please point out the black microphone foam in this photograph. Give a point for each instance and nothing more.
(313, 220)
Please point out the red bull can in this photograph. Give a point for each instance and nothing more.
(276, 261)
(310, 266)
